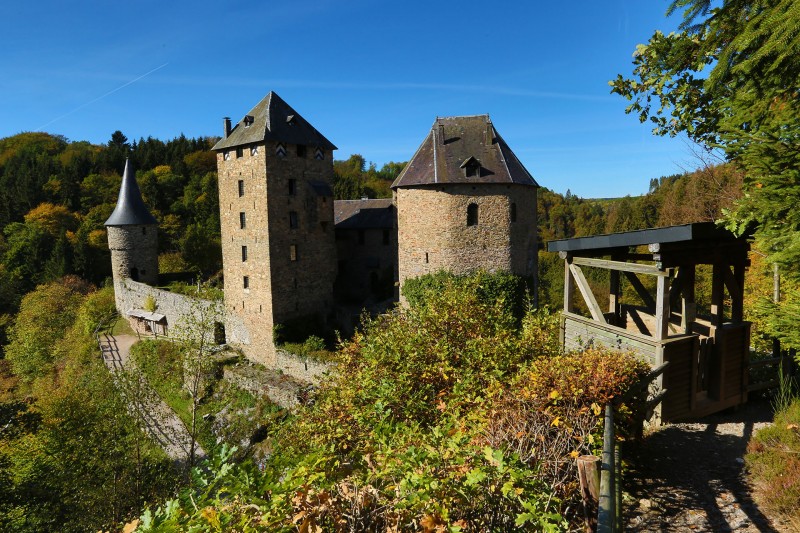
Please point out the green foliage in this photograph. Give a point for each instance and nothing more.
(352, 180)
(44, 317)
(415, 431)
(71, 459)
(510, 289)
(746, 105)
(773, 462)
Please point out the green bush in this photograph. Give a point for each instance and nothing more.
(403, 436)
(773, 460)
(512, 290)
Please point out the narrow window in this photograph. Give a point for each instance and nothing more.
(226, 155)
(239, 152)
(144, 230)
(361, 236)
(241, 188)
(254, 150)
(292, 219)
(513, 212)
(319, 154)
(292, 187)
(292, 252)
(301, 150)
(244, 253)
(386, 236)
(242, 220)
(246, 282)
(472, 215)
(280, 150)
(426, 257)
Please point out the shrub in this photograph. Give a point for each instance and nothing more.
(773, 460)
(504, 287)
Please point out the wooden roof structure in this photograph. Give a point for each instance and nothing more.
(704, 356)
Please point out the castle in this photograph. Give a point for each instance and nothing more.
(291, 254)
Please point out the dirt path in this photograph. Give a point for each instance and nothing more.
(690, 477)
(160, 421)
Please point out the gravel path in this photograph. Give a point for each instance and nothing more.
(690, 477)
(160, 421)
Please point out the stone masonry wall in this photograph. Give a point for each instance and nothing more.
(279, 288)
(433, 233)
(134, 247)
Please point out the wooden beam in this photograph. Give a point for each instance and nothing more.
(619, 265)
(717, 294)
(569, 288)
(662, 308)
(676, 287)
(586, 291)
(734, 281)
(613, 295)
(688, 305)
(640, 290)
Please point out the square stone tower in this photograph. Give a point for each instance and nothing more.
(276, 212)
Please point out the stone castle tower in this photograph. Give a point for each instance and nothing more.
(276, 213)
(465, 202)
(132, 235)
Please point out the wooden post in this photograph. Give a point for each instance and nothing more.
(607, 512)
(717, 368)
(569, 285)
(589, 478)
(688, 306)
(613, 296)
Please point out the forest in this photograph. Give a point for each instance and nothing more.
(477, 425)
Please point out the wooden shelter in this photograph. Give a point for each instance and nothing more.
(706, 350)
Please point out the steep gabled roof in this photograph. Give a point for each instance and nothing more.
(449, 153)
(272, 119)
(130, 209)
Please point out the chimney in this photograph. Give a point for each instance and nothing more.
(226, 125)
(489, 133)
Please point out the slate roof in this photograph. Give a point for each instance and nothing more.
(130, 209)
(362, 214)
(272, 119)
(444, 156)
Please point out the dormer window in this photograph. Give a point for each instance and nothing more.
(226, 155)
(248, 120)
(472, 167)
(254, 150)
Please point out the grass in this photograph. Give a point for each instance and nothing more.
(773, 460)
(160, 361)
(122, 327)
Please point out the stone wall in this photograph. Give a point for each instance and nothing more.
(288, 231)
(433, 233)
(134, 248)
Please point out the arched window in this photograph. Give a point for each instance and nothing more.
(513, 212)
(472, 215)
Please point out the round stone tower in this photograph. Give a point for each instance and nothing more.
(132, 235)
(465, 202)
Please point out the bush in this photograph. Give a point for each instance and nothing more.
(773, 460)
(504, 287)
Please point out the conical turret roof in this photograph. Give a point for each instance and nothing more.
(130, 210)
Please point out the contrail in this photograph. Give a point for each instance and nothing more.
(112, 91)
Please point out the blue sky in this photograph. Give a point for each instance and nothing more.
(371, 76)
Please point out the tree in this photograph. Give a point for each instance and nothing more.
(747, 105)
